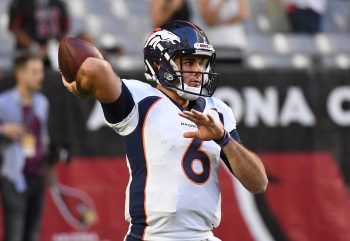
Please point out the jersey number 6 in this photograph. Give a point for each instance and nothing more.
(196, 163)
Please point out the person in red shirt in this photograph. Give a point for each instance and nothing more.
(35, 22)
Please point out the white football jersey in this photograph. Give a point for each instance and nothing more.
(173, 191)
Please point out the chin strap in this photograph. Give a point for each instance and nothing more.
(189, 96)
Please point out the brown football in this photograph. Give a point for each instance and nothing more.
(72, 52)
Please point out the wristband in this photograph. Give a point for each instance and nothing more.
(224, 140)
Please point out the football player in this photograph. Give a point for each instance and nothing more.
(174, 133)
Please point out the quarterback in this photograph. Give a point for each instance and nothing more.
(175, 135)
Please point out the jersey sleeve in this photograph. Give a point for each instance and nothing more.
(118, 110)
(226, 115)
(122, 115)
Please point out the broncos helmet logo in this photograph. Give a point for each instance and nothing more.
(162, 36)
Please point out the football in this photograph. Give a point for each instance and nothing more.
(72, 52)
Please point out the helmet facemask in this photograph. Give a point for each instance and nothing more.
(207, 79)
(178, 40)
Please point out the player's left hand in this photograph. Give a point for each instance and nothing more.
(208, 129)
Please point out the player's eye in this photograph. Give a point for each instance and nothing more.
(188, 62)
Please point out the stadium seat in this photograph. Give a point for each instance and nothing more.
(4, 6)
(260, 43)
(336, 61)
(300, 44)
(128, 22)
(100, 7)
(280, 44)
(7, 46)
(119, 9)
(280, 50)
(331, 43)
(261, 61)
(76, 8)
(266, 17)
(337, 17)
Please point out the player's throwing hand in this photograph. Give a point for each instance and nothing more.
(72, 87)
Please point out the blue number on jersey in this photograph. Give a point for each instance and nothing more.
(194, 154)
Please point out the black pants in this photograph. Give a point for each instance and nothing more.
(305, 21)
(22, 211)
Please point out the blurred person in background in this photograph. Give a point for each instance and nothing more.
(163, 11)
(305, 16)
(35, 22)
(24, 144)
(223, 20)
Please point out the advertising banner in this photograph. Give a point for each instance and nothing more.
(306, 200)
